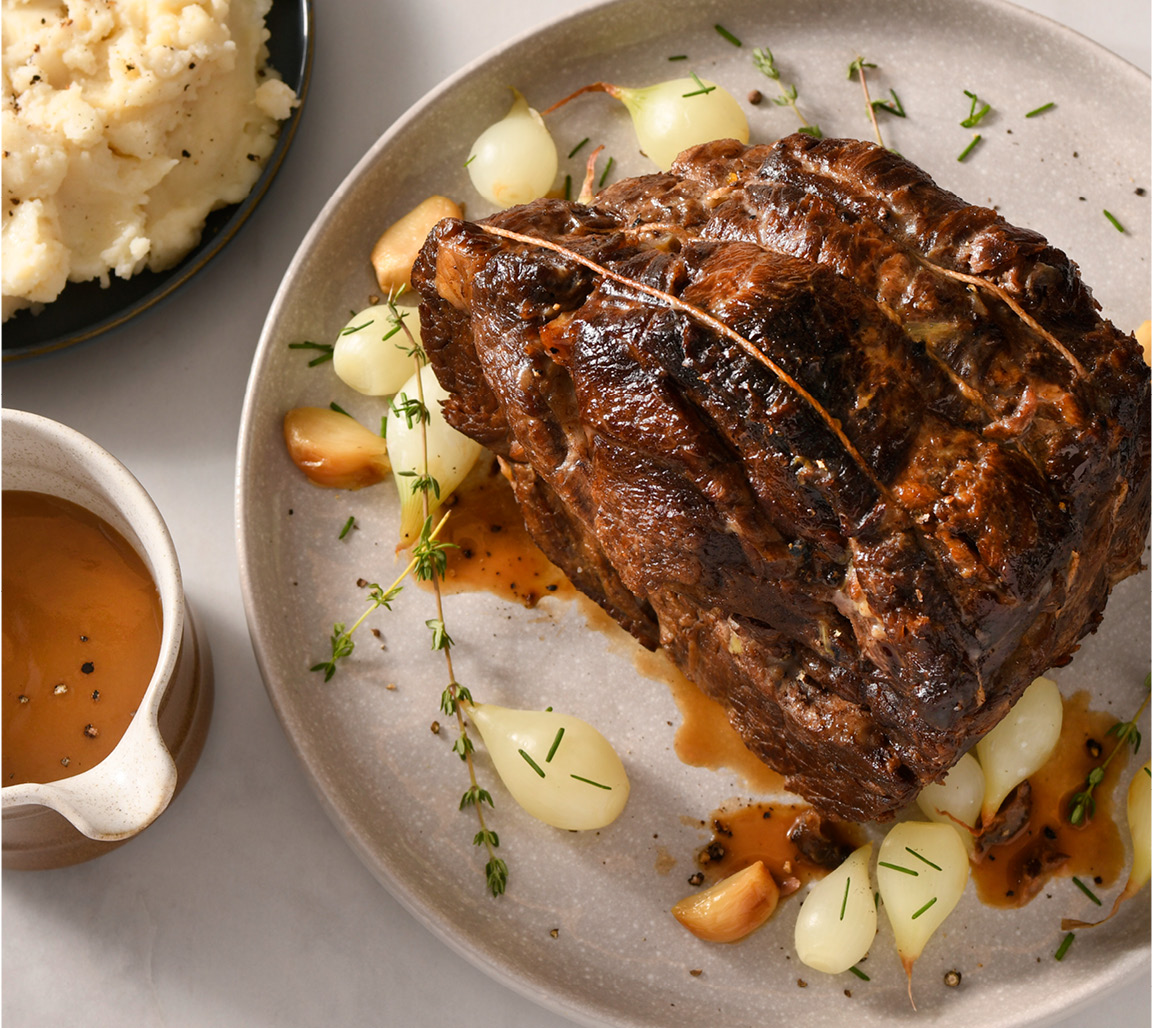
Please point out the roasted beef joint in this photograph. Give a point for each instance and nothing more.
(863, 458)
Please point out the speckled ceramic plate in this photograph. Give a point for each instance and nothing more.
(391, 786)
(84, 310)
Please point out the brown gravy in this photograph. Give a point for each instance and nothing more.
(492, 550)
(1012, 874)
(81, 636)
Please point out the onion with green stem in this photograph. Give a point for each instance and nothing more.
(671, 116)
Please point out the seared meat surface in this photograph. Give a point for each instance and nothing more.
(862, 458)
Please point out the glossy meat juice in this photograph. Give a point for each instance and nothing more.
(81, 627)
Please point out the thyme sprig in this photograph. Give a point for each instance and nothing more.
(764, 61)
(340, 641)
(1083, 805)
(430, 563)
(857, 67)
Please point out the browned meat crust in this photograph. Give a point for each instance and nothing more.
(863, 458)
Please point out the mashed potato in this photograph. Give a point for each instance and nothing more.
(124, 123)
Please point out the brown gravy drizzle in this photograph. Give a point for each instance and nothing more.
(1010, 875)
(495, 553)
(491, 549)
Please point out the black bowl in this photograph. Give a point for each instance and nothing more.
(85, 310)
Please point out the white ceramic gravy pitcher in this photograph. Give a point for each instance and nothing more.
(132, 786)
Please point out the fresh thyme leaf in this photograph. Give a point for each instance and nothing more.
(349, 329)
(348, 527)
(1116, 224)
(764, 62)
(485, 837)
(474, 796)
(470, 160)
(1041, 110)
(1064, 947)
(462, 747)
(411, 409)
(573, 151)
(679, 57)
(845, 898)
(441, 640)
(496, 875)
(858, 65)
(339, 409)
(860, 974)
(1082, 805)
(568, 187)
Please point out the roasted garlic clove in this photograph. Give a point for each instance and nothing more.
(333, 449)
(731, 909)
(396, 249)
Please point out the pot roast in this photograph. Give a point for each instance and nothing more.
(863, 458)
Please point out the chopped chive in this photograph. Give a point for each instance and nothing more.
(894, 106)
(969, 149)
(924, 908)
(975, 115)
(555, 744)
(845, 898)
(1086, 890)
(348, 526)
(531, 763)
(573, 151)
(588, 781)
(339, 409)
(703, 88)
(935, 867)
(860, 974)
(897, 867)
(1064, 947)
(605, 174)
(724, 33)
(324, 348)
(679, 57)
(1116, 224)
(1040, 110)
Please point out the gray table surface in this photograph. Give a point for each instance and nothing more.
(243, 905)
